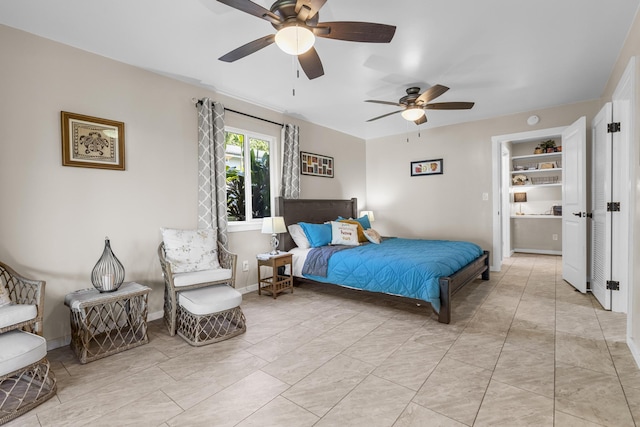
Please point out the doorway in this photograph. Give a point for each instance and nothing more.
(502, 195)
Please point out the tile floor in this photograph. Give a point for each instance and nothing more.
(524, 349)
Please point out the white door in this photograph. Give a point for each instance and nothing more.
(506, 199)
(601, 184)
(574, 205)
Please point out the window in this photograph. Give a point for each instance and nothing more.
(250, 175)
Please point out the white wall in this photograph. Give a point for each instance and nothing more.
(447, 206)
(54, 218)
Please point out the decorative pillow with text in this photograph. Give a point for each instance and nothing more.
(343, 233)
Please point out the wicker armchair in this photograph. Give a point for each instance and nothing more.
(27, 292)
(26, 379)
(227, 261)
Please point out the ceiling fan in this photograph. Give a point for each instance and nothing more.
(297, 25)
(415, 103)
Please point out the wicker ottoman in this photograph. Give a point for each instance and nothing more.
(210, 314)
(25, 378)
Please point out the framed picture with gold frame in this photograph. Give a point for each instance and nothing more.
(92, 142)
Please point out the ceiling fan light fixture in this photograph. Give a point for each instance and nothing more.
(412, 113)
(295, 40)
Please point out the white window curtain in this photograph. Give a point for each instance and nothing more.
(290, 187)
(212, 176)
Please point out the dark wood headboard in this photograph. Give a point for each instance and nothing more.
(314, 211)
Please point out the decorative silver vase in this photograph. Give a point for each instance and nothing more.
(108, 273)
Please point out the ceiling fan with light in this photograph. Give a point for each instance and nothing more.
(298, 26)
(415, 103)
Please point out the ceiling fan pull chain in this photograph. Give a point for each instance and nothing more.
(296, 72)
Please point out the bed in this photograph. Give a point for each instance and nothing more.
(318, 211)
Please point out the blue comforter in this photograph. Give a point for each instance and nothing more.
(404, 267)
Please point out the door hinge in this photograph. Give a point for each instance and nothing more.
(613, 207)
(613, 127)
(613, 285)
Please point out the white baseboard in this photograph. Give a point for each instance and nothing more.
(635, 351)
(248, 289)
(58, 342)
(155, 315)
(538, 251)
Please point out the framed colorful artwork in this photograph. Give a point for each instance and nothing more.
(426, 167)
(316, 165)
(91, 142)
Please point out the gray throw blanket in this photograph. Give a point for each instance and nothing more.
(317, 261)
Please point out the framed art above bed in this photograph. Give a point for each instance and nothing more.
(427, 167)
(316, 165)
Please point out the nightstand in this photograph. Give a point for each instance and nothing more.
(276, 283)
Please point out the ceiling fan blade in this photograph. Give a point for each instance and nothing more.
(449, 106)
(421, 120)
(383, 102)
(253, 9)
(248, 48)
(385, 115)
(311, 64)
(357, 31)
(432, 93)
(313, 5)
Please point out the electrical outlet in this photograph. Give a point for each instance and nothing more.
(485, 196)
(245, 265)
(554, 236)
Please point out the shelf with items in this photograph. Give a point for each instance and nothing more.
(537, 156)
(513, 172)
(552, 184)
(535, 194)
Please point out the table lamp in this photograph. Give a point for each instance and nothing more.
(520, 198)
(369, 214)
(273, 225)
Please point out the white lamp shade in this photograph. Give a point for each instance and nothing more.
(295, 40)
(412, 114)
(369, 214)
(273, 225)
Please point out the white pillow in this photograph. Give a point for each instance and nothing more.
(298, 236)
(344, 233)
(4, 295)
(190, 250)
(373, 236)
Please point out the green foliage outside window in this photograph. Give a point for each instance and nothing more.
(259, 178)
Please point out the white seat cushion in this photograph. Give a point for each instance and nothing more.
(19, 349)
(209, 300)
(16, 313)
(204, 276)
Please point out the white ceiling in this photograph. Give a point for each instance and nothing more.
(507, 56)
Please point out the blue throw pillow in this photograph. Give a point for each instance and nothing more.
(317, 234)
(363, 220)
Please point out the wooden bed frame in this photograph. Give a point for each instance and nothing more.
(321, 210)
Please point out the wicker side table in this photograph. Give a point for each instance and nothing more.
(106, 323)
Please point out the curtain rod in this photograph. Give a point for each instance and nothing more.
(199, 101)
(253, 117)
